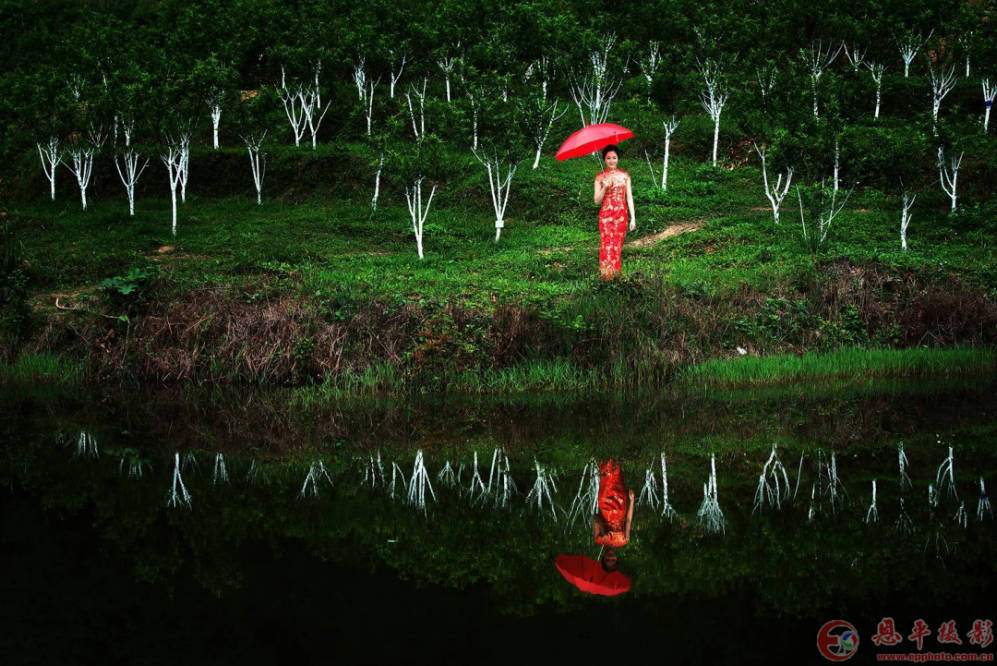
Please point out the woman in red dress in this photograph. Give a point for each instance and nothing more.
(611, 526)
(613, 191)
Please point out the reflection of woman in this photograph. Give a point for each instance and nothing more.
(611, 526)
(613, 191)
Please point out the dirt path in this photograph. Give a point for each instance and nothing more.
(672, 230)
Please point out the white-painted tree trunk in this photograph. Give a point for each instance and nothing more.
(778, 193)
(714, 98)
(837, 162)
(905, 216)
(649, 65)
(670, 127)
(129, 172)
(292, 101)
(949, 177)
(370, 103)
(419, 129)
(216, 118)
(876, 71)
(547, 115)
(447, 64)
(309, 104)
(989, 92)
(377, 182)
(413, 196)
(594, 91)
(360, 78)
(499, 184)
(257, 161)
(942, 83)
(817, 59)
(82, 157)
(185, 165)
(173, 160)
(396, 75)
(51, 155)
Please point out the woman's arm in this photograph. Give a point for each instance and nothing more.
(630, 516)
(600, 190)
(630, 202)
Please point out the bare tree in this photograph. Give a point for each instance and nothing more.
(826, 212)
(369, 111)
(129, 172)
(908, 202)
(649, 65)
(949, 177)
(909, 44)
(418, 129)
(818, 58)
(377, 182)
(942, 83)
(989, 92)
(965, 41)
(593, 91)
(309, 104)
(81, 155)
(778, 193)
(185, 163)
(500, 173)
(257, 160)
(52, 152)
(542, 68)
(413, 196)
(876, 71)
(714, 98)
(670, 127)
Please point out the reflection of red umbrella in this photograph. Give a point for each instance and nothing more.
(592, 138)
(588, 575)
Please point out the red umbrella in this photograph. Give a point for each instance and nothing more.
(588, 575)
(590, 139)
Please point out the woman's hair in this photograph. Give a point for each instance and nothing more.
(602, 561)
(611, 148)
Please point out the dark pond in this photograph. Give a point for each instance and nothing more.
(264, 527)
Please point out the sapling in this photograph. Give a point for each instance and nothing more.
(826, 210)
(214, 98)
(419, 482)
(817, 58)
(396, 73)
(129, 172)
(594, 90)
(81, 155)
(418, 129)
(136, 465)
(184, 164)
(903, 524)
(989, 92)
(543, 116)
(766, 77)
(257, 160)
(909, 45)
(293, 101)
(649, 491)
(500, 173)
(714, 98)
(173, 160)
(778, 193)
(908, 199)
(447, 477)
(309, 104)
(446, 64)
(855, 55)
(52, 151)
(360, 78)
(377, 182)
(587, 497)
(948, 177)
(903, 463)
(670, 127)
(369, 111)
(649, 65)
(961, 517)
(942, 83)
(373, 471)
(876, 71)
(396, 474)
(476, 489)
(418, 213)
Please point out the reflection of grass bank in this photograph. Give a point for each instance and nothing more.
(852, 362)
(41, 368)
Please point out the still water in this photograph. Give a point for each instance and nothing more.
(264, 528)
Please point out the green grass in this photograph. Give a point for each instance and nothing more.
(41, 368)
(849, 362)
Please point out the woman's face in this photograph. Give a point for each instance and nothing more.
(611, 159)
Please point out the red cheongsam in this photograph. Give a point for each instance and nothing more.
(613, 500)
(612, 223)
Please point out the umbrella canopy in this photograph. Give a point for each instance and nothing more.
(592, 138)
(588, 575)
